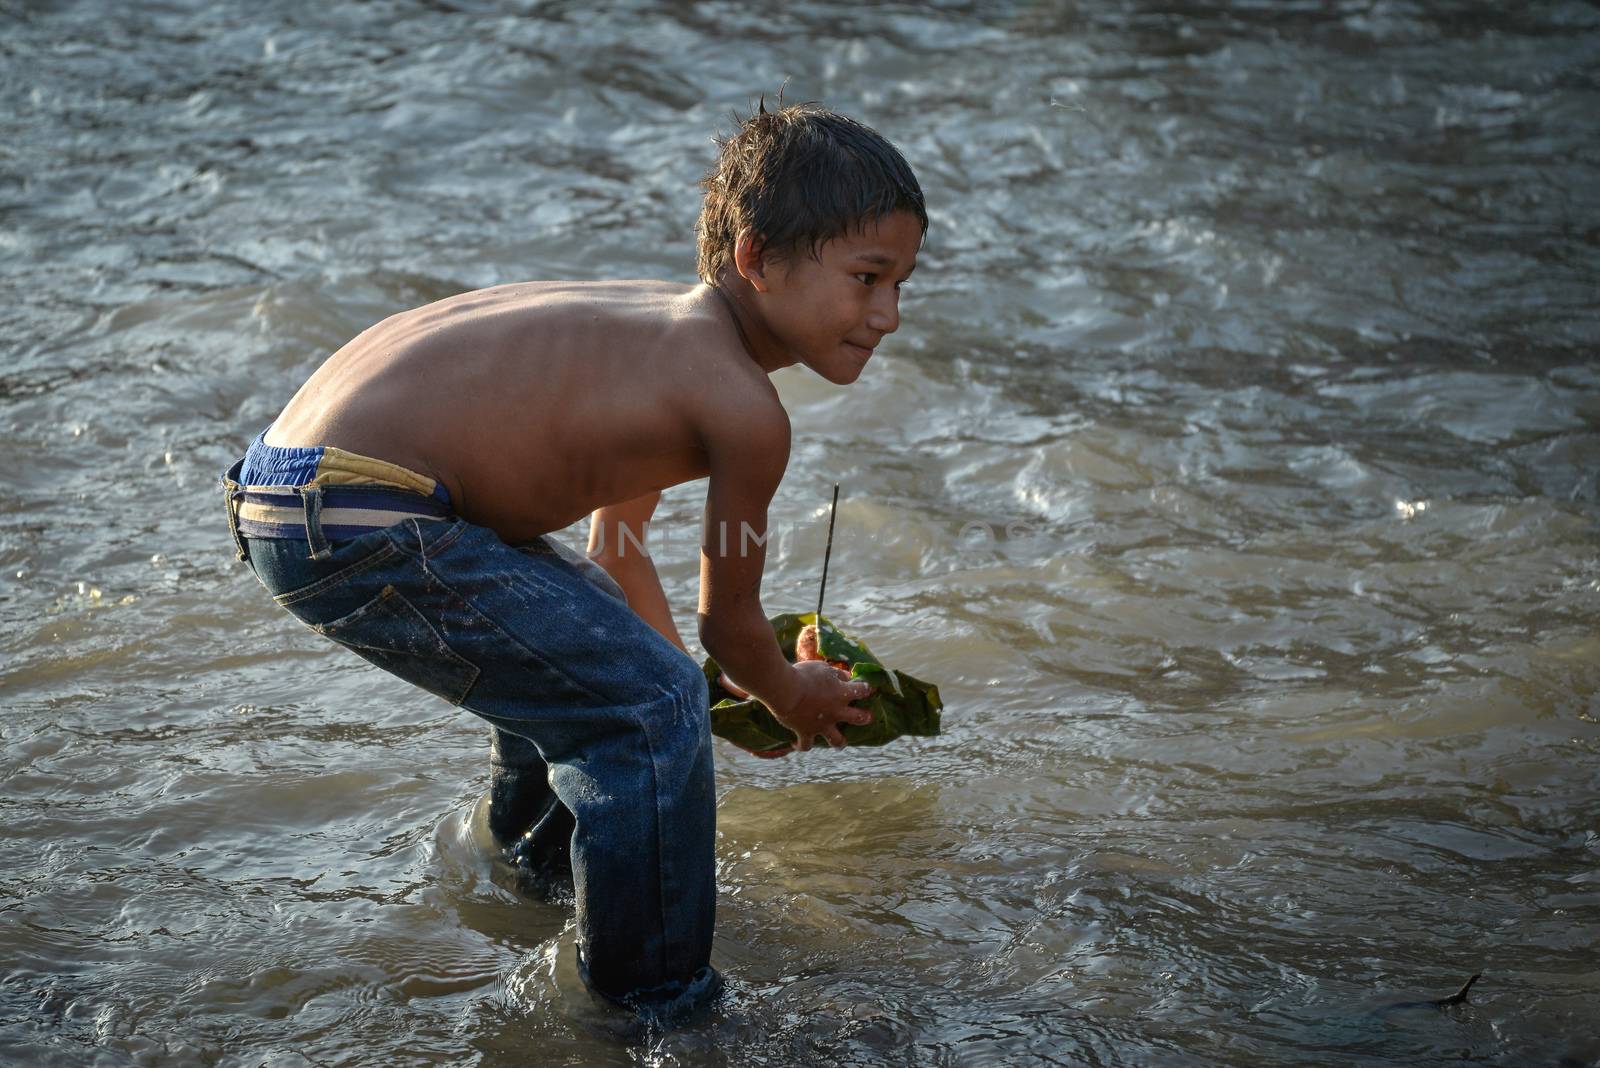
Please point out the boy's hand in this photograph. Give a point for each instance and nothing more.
(741, 693)
(824, 702)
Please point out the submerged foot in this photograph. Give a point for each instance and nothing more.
(541, 870)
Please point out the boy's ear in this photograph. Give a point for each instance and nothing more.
(750, 259)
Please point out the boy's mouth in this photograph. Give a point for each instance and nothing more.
(860, 350)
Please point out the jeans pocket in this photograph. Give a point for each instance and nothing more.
(293, 578)
(390, 632)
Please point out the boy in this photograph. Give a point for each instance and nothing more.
(400, 504)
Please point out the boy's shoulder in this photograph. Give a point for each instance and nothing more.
(684, 355)
(734, 408)
(702, 345)
(737, 410)
(648, 332)
(676, 345)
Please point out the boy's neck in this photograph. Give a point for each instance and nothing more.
(736, 295)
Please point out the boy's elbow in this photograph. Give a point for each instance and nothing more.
(718, 634)
(709, 633)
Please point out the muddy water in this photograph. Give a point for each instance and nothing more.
(1234, 473)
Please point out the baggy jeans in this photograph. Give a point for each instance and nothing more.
(590, 706)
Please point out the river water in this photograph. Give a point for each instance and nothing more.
(1234, 474)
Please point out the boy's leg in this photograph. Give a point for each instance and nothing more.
(524, 809)
(519, 786)
(630, 757)
(528, 642)
(525, 815)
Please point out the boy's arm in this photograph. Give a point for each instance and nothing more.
(617, 543)
(747, 453)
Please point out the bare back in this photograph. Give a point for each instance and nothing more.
(537, 403)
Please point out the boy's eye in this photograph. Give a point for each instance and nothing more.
(867, 278)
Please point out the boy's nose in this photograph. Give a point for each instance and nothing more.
(884, 314)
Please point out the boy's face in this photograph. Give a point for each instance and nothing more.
(830, 311)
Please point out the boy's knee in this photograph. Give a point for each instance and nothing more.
(696, 682)
(683, 727)
(688, 685)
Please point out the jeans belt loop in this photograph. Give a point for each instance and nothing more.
(232, 499)
(311, 497)
(234, 502)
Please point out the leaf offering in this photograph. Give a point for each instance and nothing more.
(900, 704)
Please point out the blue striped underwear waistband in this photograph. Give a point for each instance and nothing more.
(282, 491)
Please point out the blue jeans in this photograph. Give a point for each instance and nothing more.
(601, 737)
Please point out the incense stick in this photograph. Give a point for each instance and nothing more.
(833, 510)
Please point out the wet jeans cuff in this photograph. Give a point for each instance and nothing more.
(667, 1005)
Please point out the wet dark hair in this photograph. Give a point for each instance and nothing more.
(800, 176)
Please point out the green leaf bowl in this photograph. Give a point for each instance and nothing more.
(900, 704)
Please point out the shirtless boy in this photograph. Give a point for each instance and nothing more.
(400, 504)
